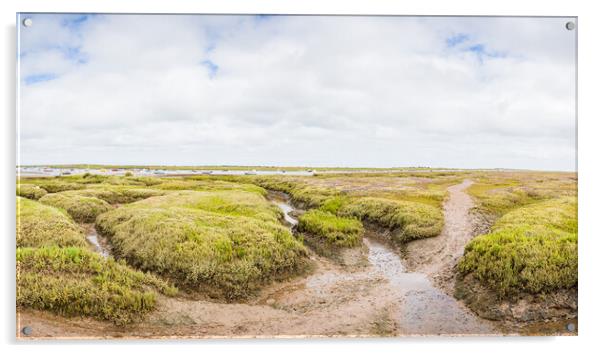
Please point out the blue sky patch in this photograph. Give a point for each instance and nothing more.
(477, 49)
(481, 51)
(74, 22)
(31, 79)
(212, 35)
(211, 66)
(456, 39)
(462, 42)
(71, 53)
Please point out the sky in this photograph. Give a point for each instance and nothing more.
(347, 91)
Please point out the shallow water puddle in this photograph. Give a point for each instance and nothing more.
(93, 239)
(388, 264)
(424, 309)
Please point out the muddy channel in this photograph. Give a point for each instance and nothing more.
(415, 306)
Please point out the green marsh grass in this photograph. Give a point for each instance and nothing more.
(408, 220)
(301, 193)
(207, 183)
(115, 194)
(227, 242)
(220, 236)
(531, 249)
(499, 193)
(82, 209)
(55, 184)
(77, 282)
(337, 231)
(42, 225)
(56, 271)
(146, 181)
(30, 191)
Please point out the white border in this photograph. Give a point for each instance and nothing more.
(590, 175)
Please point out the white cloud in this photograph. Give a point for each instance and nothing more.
(369, 91)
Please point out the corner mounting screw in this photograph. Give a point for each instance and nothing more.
(27, 330)
(570, 25)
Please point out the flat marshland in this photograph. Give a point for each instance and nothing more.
(212, 255)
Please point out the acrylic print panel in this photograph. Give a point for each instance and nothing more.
(276, 176)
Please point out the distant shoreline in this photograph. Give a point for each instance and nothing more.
(281, 168)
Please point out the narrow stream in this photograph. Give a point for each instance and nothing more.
(283, 202)
(93, 238)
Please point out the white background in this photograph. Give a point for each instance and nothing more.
(590, 94)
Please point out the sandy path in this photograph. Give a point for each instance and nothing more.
(437, 256)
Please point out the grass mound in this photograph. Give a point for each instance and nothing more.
(302, 194)
(147, 181)
(77, 282)
(233, 203)
(531, 249)
(30, 191)
(126, 181)
(116, 194)
(498, 199)
(81, 208)
(225, 242)
(58, 185)
(337, 231)
(40, 225)
(208, 183)
(410, 220)
(88, 178)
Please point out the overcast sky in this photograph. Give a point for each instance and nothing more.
(298, 90)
